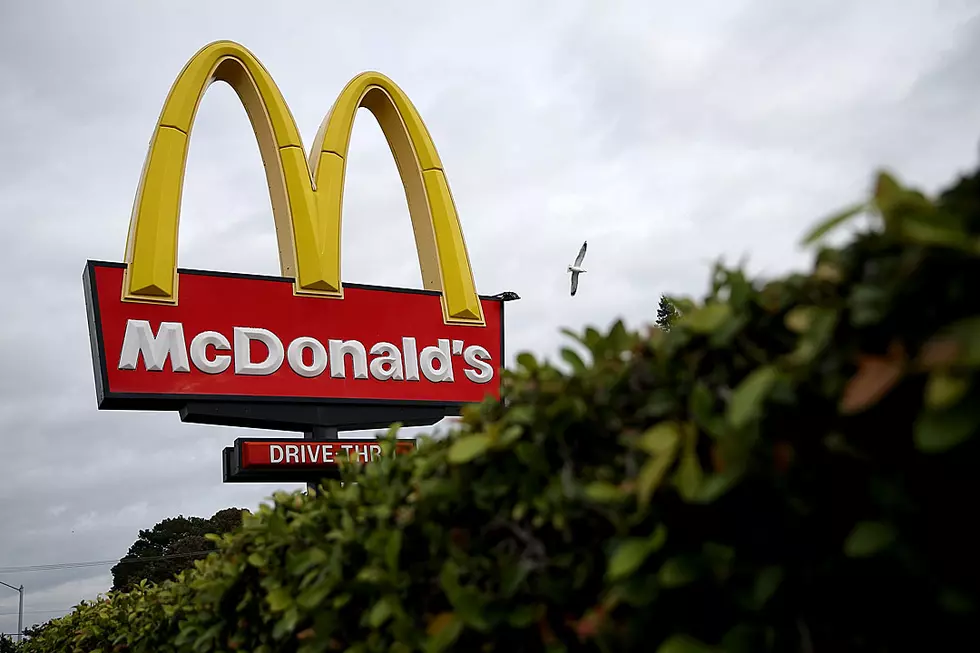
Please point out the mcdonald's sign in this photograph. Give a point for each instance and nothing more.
(237, 345)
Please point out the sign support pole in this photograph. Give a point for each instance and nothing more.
(320, 434)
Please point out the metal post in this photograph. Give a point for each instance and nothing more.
(320, 434)
(20, 609)
(20, 615)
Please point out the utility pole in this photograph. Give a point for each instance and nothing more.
(20, 609)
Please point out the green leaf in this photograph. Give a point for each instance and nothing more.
(574, 361)
(766, 584)
(379, 613)
(706, 319)
(868, 538)
(444, 630)
(799, 319)
(660, 438)
(716, 485)
(603, 492)
(747, 399)
(627, 557)
(527, 361)
(939, 431)
(967, 335)
(832, 222)
(279, 599)
(677, 572)
(393, 548)
(652, 474)
(678, 643)
(469, 447)
(689, 473)
(944, 390)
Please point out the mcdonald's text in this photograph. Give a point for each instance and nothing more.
(251, 337)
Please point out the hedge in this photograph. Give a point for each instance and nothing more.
(789, 468)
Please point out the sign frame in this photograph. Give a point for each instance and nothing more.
(269, 412)
(232, 470)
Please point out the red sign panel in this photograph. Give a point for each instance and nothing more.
(306, 455)
(244, 337)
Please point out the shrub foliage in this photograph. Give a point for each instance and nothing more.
(787, 469)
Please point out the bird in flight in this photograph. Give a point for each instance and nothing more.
(576, 268)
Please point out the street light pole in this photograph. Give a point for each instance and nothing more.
(20, 609)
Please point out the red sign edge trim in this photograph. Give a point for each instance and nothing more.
(108, 400)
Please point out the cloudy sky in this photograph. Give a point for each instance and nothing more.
(666, 136)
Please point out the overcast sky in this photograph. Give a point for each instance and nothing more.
(666, 136)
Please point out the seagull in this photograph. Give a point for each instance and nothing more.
(576, 268)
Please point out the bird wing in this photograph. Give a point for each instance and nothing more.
(574, 282)
(581, 254)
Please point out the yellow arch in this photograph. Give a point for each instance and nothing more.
(307, 214)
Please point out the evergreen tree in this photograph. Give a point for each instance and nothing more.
(666, 313)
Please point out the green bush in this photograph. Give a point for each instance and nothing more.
(789, 468)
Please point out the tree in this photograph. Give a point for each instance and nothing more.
(180, 537)
(7, 645)
(666, 313)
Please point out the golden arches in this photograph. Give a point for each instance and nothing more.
(307, 214)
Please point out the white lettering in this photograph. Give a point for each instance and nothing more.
(169, 342)
(338, 364)
(388, 365)
(476, 356)
(273, 450)
(326, 453)
(243, 352)
(199, 352)
(346, 448)
(411, 359)
(430, 355)
(362, 453)
(295, 357)
(211, 353)
(314, 452)
(375, 451)
(292, 453)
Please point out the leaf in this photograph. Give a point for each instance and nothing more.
(888, 194)
(444, 630)
(748, 397)
(279, 599)
(689, 473)
(651, 477)
(469, 447)
(716, 485)
(574, 361)
(868, 538)
(603, 492)
(627, 557)
(832, 222)
(379, 613)
(939, 431)
(678, 643)
(799, 319)
(967, 335)
(660, 438)
(707, 318)
(876, 375)
(527, 361)
(943, 389)
(677, 572)
(766, 584)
